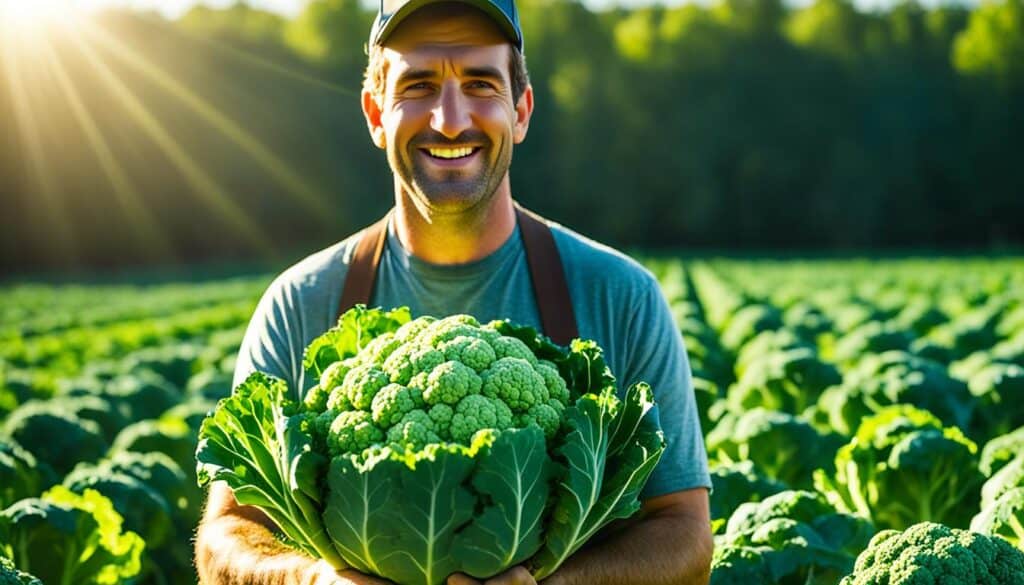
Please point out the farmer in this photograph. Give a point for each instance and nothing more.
(446, 96)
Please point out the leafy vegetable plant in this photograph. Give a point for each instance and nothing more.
(434, 446)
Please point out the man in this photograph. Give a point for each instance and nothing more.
(446, 96)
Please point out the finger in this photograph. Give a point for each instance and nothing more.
(514, 576)
(462, 579)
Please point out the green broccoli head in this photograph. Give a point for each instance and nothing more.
(797, 536)
(786, 448)
(902, 467)
(928, 552)
(425, 380)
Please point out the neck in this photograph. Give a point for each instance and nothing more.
(455, 238)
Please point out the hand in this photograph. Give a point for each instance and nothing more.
(325, 574)
(514, 576)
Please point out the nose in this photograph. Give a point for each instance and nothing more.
(450, 115)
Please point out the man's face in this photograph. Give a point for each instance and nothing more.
(446, 118)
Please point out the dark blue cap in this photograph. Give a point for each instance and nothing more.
(393, 12)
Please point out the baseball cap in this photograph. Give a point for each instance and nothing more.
(392, 12)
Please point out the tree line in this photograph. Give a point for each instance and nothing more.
(235, 134)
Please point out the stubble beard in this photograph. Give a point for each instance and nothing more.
(450, 192)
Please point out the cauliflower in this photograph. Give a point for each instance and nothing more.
(434, 380)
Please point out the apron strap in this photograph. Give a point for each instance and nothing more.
(362, 269)
(547, 276)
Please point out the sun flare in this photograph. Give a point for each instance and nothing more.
(24, 15)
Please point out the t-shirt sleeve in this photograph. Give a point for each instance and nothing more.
(657, 356)
(270, 344)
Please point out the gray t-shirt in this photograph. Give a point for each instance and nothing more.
(617, 303)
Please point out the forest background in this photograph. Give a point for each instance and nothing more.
(235, 135)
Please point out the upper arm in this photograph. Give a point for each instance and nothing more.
(656, 355)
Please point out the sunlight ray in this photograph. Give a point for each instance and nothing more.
(315, 201)
(141, 221)
(258, 61)
(201, 182)
(62, 234)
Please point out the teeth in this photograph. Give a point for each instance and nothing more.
(450, 152)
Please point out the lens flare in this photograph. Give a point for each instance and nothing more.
(25, 15)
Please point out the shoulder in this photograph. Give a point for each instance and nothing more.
(596, 264)
(314, 276)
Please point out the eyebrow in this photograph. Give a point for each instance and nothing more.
(484, 72)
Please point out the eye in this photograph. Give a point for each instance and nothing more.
(480, 84)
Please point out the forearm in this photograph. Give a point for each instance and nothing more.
(233, 550)
(661, 550)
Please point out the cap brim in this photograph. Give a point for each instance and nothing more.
(496, 14)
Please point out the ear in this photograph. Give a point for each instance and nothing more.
(524, 109)
(372, 113)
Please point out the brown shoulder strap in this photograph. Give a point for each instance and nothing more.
(362, 270)
(557, 317)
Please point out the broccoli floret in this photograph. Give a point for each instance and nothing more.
(391, 404)
(505, 347)
(351, 432)
(933, 553)
(516, 382)
(413, 432)
(556, 386)
(361, 384)
(316, 399)
(441, 415)
(475, 412)
(399, 365)
(475, 353)
(543, 415)
(450, 382)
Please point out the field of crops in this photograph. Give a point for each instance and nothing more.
(838, 399)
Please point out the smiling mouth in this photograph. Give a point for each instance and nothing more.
(451, 153)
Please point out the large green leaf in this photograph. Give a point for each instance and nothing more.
(253, 442)
(513, 477)
(610, 453)
(396, 515)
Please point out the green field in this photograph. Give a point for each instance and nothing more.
(846, 397)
